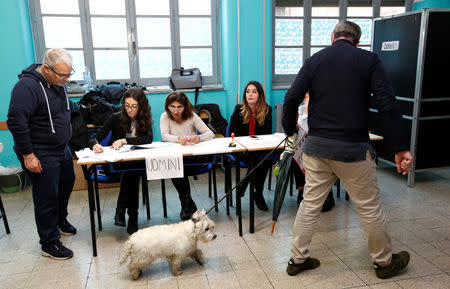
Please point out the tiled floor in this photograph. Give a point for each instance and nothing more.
(418, 218)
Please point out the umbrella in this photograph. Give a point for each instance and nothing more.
(282, 177)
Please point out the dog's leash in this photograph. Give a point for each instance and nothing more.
(248, 175)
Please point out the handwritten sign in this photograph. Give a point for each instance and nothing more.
(165, 166)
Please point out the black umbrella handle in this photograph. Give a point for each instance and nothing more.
(248, 174)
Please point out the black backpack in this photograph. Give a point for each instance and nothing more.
(95, 109)
(215, 120)
(80, 133)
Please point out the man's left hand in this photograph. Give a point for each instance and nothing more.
(403, 160)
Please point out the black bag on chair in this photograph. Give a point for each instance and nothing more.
(181, 78)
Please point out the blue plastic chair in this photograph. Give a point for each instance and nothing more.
(108, 174)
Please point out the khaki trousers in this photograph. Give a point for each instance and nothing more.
(360, 181)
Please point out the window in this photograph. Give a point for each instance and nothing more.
(303, 27)
(131, 40)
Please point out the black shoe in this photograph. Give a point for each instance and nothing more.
(185, 215)
(188, 207)
(66, 228)
(56, 251)
(309, 263)
(398, 262)
(132, 224)
(261, 203)
(329, 203)
(119, 217)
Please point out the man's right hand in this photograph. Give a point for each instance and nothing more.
(403, 160)
(32, 163)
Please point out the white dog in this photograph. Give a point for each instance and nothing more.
(174, 242)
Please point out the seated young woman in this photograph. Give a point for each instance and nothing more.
(253, 117)
(132, 125)
(179, 124)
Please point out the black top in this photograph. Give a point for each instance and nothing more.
(340, 80)
(240, 129)
(113, 124)
(39, 116)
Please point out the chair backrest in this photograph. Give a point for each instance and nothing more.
(105, 141)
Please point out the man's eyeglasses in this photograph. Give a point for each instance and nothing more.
(131, 107)
(62, 75)
(173, 107)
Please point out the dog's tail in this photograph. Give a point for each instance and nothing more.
(126, 252)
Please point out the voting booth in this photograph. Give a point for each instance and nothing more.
(415, 50)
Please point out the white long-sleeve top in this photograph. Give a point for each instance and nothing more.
(171, 130)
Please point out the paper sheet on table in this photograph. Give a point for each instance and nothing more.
(166, 165)
(109, 154)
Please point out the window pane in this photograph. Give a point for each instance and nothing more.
(107, 7)
(288, 60)
(77, 64)
(365, 47)
(155, 63)
(111, 64)
(155, 7)
(289, 11)
(388, 11)
(153, 32)
(359, 11)
(201, 58)
(366, 30)
(197, 7)
(59, 7)
(195, 31)
(288, 32)
(109, 32)
(315, 49)
(62, 32)
(325, 11)
(321, 31)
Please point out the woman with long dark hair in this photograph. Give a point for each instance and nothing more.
(253, 117)
(132, 125)
(180, 124)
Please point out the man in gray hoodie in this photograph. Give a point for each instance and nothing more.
(39, 120)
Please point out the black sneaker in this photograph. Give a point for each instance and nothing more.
(119, 217)
(399, 261)
(309, 263)
(56, 251)
(66, 228)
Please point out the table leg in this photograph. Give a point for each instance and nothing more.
(227, 183)
(87, 175)
(252, 206)
(238, 198)
(97, 200)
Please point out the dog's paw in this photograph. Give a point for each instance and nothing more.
(198, 257)
(177, 273)
(136, 274)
